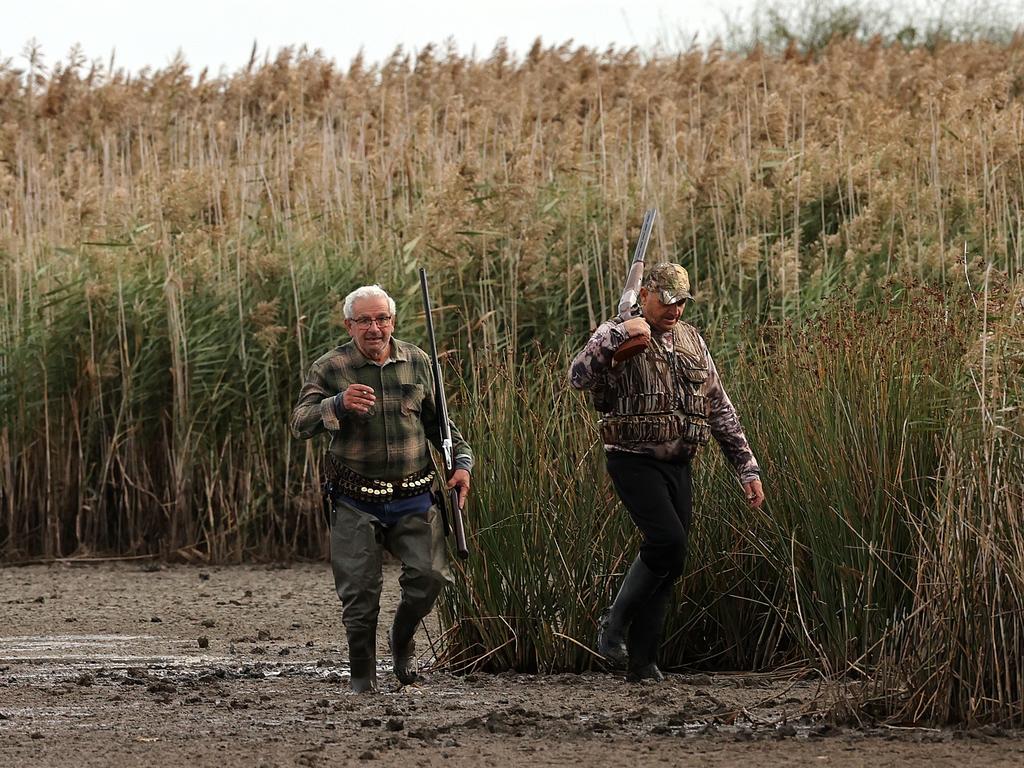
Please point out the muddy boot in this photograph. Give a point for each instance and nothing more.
(637, 586)
(645, 636)
(364, 675)
(647, 672)
(362, 659)
(403, 645)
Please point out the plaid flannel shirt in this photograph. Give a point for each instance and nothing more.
(390, 442)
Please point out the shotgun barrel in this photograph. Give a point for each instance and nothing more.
(445, 427)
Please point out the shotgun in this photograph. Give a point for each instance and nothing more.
(631, 293)
(445, 426)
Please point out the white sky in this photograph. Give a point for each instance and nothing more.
(220, 33)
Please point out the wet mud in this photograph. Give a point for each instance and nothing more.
(139, 664)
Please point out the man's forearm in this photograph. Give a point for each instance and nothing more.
(463, 454)
(725, 426)
(589, 369)
(316, 410)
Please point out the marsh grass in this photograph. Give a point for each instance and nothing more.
(150, 412)
(542, 494)
(955, 653)
(173, 251)
(887, 550)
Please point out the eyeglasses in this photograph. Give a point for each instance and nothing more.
(382, 321)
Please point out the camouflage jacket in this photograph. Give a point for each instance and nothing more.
(592, 370)
(390, 442)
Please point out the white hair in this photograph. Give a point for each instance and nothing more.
(367, 292)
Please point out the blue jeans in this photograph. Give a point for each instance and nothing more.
(390, 512)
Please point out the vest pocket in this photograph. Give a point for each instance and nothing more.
(694, 375)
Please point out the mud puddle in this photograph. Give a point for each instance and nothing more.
(51, 658)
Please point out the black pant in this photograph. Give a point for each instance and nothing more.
(658, 497)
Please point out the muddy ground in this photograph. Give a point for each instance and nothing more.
(132, 663)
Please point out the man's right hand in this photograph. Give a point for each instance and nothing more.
(358, 398)
(637, 328)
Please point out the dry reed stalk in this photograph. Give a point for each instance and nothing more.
(144, 401)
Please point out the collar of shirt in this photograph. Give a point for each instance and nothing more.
(397, 355)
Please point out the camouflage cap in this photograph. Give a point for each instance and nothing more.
(669, 281)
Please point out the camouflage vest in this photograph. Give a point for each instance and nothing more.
(656, 397)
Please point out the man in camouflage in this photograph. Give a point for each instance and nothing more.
(658, 407)
(375, 397)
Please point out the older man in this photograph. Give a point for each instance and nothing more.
(659, 406)
(375, 397)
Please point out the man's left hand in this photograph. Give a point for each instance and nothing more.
(754, 493)
(460, 480)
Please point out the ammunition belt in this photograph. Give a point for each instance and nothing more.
(694, 406)
(650, 403)
(349, 483)
(696, 433)
(660, 404)
(654, 428)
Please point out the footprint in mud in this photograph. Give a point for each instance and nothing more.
(513, 721)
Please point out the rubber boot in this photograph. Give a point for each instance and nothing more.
(362, 659)
(638, 585)
(401, 638)
(645, 636)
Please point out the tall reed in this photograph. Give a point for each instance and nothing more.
(955, 653)
(173, 251)
(881, 511)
